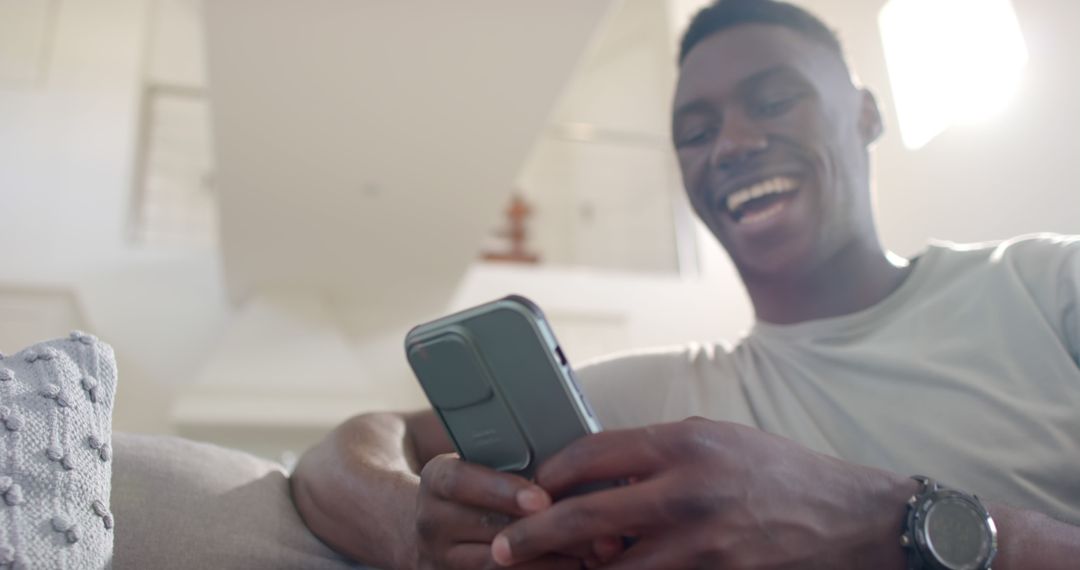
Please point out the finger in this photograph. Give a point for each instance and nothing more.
(478, 486)
(669, 550)
(607, 549)
(585, 518)
(474, 556)
(605, 456)
(466, 556)
(446, 522)
(600, 552)
(583, 552)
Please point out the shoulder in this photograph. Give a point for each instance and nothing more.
(633, 387)
(1027, 247)
(1045, 263)
(641, 364)
(1033, 258)
(1043, 269)
(1039, 250)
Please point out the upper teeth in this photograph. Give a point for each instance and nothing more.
(775, 185)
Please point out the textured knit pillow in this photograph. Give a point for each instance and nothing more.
(56, 403)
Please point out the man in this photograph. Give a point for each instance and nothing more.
(862, 370)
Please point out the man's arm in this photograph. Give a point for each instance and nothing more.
(357, 488)
(1031, 540)
(713, 494)
(381, 490)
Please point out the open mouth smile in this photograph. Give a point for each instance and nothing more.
(761, 200)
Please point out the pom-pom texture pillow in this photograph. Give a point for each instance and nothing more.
(56, 402)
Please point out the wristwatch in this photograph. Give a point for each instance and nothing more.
(947, 529)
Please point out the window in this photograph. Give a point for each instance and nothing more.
(175, 202)
(950, 61)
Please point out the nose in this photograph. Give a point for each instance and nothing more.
(739, 141)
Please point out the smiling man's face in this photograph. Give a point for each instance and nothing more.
(772, 140)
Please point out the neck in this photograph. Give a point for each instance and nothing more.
(857, 277)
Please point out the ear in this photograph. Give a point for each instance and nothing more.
(871, 126)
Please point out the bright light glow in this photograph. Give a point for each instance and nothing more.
(950, 61)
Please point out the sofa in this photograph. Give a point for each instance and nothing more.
(75, 496)
(184, 504)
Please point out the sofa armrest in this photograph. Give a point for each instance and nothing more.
(183, 504)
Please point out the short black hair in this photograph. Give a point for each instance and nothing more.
(725, 14)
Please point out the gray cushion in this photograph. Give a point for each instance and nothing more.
(183, 504)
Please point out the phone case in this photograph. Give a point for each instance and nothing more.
(499, 382)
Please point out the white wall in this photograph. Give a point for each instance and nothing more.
(595, 313)
(66, 148)
(1014, 174)
(602, 176)
(65, 144)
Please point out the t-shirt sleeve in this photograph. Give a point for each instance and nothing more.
(1069, 300)
(631, 389)
(1049, 264)
(662, 385)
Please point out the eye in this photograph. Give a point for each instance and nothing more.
(695, 137)
(770, 108)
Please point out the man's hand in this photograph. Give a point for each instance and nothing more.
(462, 507)
(713, 494)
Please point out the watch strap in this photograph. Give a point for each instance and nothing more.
(915, 560)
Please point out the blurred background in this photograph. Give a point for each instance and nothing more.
(253, 200)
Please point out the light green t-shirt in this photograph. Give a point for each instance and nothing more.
(969, 372)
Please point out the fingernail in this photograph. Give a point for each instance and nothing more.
(500, 551)
(532, 499)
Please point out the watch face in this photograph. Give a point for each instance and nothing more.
(957, 534)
